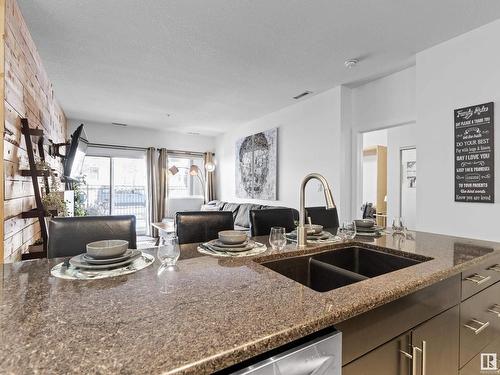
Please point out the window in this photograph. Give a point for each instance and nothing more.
(181, 183)
(117, 185)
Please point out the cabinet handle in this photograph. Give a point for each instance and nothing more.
(413, 357)
(495, 309)
(424, 357)
(478, 279)
(496, 268)
(482, 326)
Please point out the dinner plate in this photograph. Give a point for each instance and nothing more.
(79, 262)
(323, 236)
(258, 249)
(369, 234)
(125, 256)
(369, 230)
(249, 246)
(219, 243)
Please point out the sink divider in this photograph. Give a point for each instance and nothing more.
(331, 267)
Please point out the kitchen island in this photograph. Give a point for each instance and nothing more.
(209, 314)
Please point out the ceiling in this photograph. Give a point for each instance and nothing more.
(207, 66)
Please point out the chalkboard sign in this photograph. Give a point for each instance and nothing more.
(474, 154)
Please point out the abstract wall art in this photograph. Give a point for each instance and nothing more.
(256, 165)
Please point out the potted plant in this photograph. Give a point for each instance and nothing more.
(53, 200)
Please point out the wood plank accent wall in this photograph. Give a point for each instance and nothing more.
(28, 93)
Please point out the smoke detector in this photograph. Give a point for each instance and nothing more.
(350, 63)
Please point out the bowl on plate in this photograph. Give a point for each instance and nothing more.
(313, 228)
(364, 223)
(231, 237)
(107, 248)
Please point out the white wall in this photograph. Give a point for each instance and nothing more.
(375, 138)
(460, 72)
(143, 137)
(383, 103)
(309, 140)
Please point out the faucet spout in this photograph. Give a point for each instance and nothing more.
(301, 230)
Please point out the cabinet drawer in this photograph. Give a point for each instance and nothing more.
(474, 366)
(479, 322)
(480, 277)
(387, 359)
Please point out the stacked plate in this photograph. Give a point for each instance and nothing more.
(105, 255)
(368, 228)
(319, 237)
(232, 243)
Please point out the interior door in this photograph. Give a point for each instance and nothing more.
(438, 341)
(386, 359)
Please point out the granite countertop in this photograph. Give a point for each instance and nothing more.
(208, 314)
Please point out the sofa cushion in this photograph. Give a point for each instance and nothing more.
(243, 217)
(233, 207)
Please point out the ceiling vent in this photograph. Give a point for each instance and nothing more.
(300, 96)
(193, 133)
(119, 124)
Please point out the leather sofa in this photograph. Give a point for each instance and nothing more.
(241, 211)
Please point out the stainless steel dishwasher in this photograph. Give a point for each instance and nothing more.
(320, 356)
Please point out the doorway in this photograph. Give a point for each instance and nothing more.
(116, 185)
(390, 185)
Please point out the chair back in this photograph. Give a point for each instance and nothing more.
(202, 226)
(69, 236)
(261, 221)
(321, 216)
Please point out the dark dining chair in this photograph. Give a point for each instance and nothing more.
(321, 216)
(202, 226)
(69, 236)
(261, 221)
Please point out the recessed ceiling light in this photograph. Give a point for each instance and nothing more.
(119, 124)
(301, 95)
(351, 63)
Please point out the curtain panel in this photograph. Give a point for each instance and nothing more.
(209, 179)
(157, 187)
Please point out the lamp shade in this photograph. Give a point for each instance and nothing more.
(210, 166)
(194, 170)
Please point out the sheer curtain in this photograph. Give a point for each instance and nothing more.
(209, 179)
(157, 186)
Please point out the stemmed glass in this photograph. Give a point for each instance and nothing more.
(277, 238)
(168, 251)
(347, 230)
(398, 226)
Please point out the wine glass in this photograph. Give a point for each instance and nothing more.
(277, 238)
(168, 250)
(347, 230)
(398, 226)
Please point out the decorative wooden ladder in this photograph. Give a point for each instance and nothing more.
(35, 136)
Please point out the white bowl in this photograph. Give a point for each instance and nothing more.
(364, 223)
(232, 237)
(313, 228)
(107, 248)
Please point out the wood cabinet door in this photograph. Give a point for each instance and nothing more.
(386, 359)
(438, 340)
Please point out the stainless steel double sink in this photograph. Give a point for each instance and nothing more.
(336, 268)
